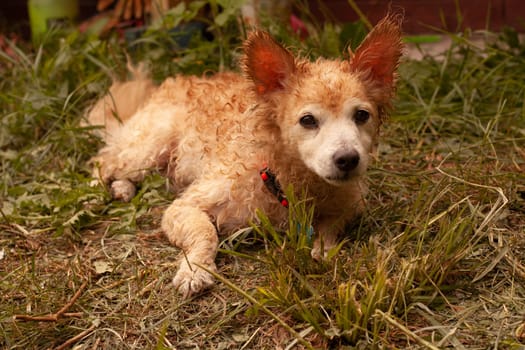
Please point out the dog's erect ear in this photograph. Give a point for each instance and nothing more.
(379, 54)
(266, 63)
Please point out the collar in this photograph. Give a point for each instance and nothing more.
(271, 183)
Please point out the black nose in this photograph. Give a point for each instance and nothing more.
(346, 160)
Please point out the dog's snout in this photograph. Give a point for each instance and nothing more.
(346, 160)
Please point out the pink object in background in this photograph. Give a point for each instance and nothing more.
(298, 26)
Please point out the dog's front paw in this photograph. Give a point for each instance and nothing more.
(320, 251)
(123, 190)
(319, 254)
(191, 280)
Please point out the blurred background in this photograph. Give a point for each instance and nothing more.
(421, 16)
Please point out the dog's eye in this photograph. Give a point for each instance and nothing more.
(361, 116)
(308, 121)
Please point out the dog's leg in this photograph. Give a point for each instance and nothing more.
(143, 143)
(191, 229)
(327, 234)
(330, 227)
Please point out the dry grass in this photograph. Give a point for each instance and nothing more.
(437, 261)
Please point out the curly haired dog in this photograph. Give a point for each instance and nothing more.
(309, 124)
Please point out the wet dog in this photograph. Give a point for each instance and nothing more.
(312, 125)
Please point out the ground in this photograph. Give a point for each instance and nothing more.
(437, 261)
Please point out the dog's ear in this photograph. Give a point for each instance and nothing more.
(379, 54)
(266, 63)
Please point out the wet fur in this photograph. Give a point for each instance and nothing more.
(212, 135)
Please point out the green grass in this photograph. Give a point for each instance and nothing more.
(437, 260)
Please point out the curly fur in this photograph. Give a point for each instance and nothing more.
(212, 135)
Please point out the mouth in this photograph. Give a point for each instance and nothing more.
(340, 177)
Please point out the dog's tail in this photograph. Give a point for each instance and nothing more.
(123, 99)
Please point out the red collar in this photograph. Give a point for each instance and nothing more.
(273, 185)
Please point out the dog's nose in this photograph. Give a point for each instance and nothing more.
(346, 160)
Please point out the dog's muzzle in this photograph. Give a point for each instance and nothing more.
(345, 163)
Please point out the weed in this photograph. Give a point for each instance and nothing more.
(436, 261)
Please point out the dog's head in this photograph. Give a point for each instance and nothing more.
(328, 111)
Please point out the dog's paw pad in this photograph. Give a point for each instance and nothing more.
(189, 282)
(123, 190)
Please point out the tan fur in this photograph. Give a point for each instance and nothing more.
(122, 100)
(212, 135)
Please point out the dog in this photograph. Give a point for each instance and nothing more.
(230, 142)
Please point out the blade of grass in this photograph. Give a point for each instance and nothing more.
(405, 330)
(254, 301)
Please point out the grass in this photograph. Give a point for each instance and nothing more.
(436, 262)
